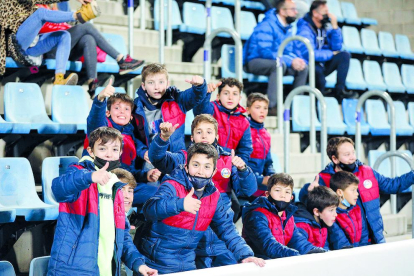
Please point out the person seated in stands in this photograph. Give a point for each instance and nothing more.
(185, 205)
(232, 174)
(115, 110)
(268, 223)
(314, 219)
(92, 233)
(321, 28)
(261, 159)
(260, 51)
(350, 228)
(341, 151)
(234, 129)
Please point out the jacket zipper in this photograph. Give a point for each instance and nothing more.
(228, 130)
(355, 232)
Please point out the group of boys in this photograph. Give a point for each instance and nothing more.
(135, 155)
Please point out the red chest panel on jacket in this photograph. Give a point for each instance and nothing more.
(261, 143)
(351, 223)
(283, 236)
(316, 236)
(187, 220)
(172, 113)
(223, 175)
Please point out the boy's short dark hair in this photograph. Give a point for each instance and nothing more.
(334, 143)
(342, 180)
(280, 178)
(320, 198)
(315, 5)
(153, 68)
(105, 134)
(204, 118)
(125, 177)
(122, 97)
(256, 96)
(230, 82)
(202, 148)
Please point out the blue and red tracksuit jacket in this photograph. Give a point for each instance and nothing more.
(171, 234)
(269, 235)
(234, 128)
(261, 159)
(174, 106)
(370, 184)
(310, 228)
(75, 245)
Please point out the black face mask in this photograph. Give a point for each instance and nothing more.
(325, 20)
(215, 143)
(280, 205)
(347, 167)
(99, 162)
(290, 19)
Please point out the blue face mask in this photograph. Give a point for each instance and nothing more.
(346, 203)
(198, 181)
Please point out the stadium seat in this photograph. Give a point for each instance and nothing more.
(392, 77)
(370, 42)
(117, 90)
(192, 12)
(38, 266)
(411, 113)
(5, 127)
(247, 24)
(53, 167)
(6, 269)
(10, 63)
(176, 15)
(276, 163)
(7, 215)
(403, 127)
(334, 120)
(377, 118)
(264, 79)
(331, 80)
(373, 75)
(351, 17)
(349, 113)
(387, 45)
(64, 96)
(228, 62)
(300, 114)
(221, 18)
(355, 78)
(18, 191)
(254, 5)
(352, 40)
(335, 8)
(189, 117)
(75, 66)
(407, 73)
(403, 46)
(260, 17)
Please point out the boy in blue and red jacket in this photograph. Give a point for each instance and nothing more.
(268, 223)
(341, 151)
(313, 219)
(261, 159)
(234, 128)
(185, 205)
(92, 233)
(232, 174)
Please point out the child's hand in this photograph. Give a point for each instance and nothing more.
(147, 271)
(258, 261)
(195, 80)
(167, 129)
(212, 86)
(237, 161)
(101, 176)
(108, 91)
(314, 184)
(265, 179)
(191, 205)
(153, 175)
(146, 158)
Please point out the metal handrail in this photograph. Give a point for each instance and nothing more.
(161, 33)
(131, 41)
(237, 9)
(286, 117)
(142, 15)
(393, 132)
(169, 23)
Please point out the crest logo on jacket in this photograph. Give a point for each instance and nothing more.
(225, 173)
(367, 184)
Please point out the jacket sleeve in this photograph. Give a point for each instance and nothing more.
(394, 185)
(164, 160)
(321, 55)
(68, 187)
(365, 231)
(256, 227)
(335, 39)
(205, 107)
(268, 166)
(243, 182)
(191, 97)
(337, 237)
(165, 203)
(139, 174)
(130, 254)
(303, 194)
(97, 116)
(300, 242)
(245, 147)
(141, 148)
(222, 224)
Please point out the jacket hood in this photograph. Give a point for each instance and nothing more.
(143, 98)
(239, 109)
(330, 168)
(339, 210)
(271, 16)
(262, 202)
(303, 215)
(126, 129)
(255, 124)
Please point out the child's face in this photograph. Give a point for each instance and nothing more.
(128, 192)
(350, 193)
(201, 166)
(346, 154)
(280, 192)
(110, 151)
(155, 85)
(120, 113)
(258, 111)
(204, 133)
(328, 215)
(229, 96)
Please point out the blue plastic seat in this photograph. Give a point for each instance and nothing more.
(254, 5)
(403, 127)
(17, 191)
(247, 24)
(276, 163)
(264, 79)
(228, 69)
(189, 117)
(403, 46)
(53, 167)
(176, 15)
(373, 75)
(192, 14)
(334, 120)
(370, 42)
(351, 17)
(7, 215)
(411, 113)
(300, 114)
(354, 79)
(6, 269)
(221, 18)
(10, 63)
(352, 40)
(349, 112)
(75, 66)
(331, 80)
(5, 127)
(377, 118)
(39, 266)
(407, 73)
(117, 90)
(392, 77)
(260, 17)
(335, 8)
(387, 45)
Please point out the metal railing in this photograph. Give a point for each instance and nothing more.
(161, 30)
(286, 117)
(131, 41)
(393, 135)
(142, 23)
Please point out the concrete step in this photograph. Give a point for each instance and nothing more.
(303, 163)
(277, 143)
(150, 53)
(394, 225)
(300, 179)
(141, 37)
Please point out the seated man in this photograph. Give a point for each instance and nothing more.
(260, 51)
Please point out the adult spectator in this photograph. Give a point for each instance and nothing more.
(260, 51)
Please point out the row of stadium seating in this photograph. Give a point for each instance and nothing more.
(38, 267)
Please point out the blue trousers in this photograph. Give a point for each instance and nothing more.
(340, 63)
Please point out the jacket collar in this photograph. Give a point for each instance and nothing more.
(239, 110)
(255, 124)
(330, 168)
(143, 98)
(271, 16)
(126, 129)
(263, 202)
(339, 210)
(303, 215)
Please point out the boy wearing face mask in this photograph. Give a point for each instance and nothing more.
(268, 223)
(92, 234)
(341, 151)
(185, 205)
